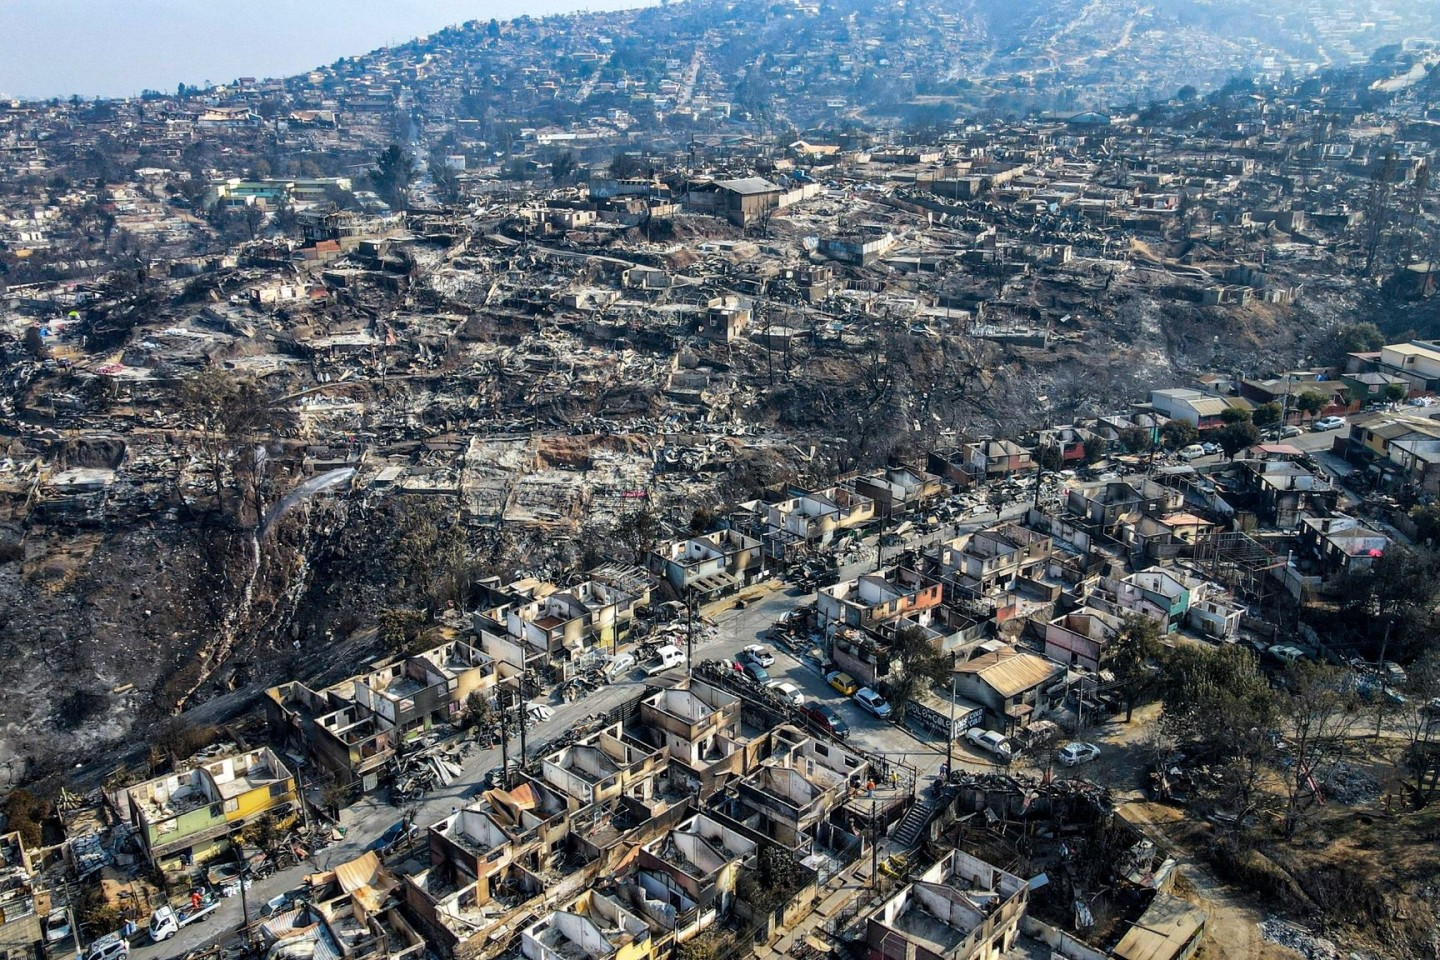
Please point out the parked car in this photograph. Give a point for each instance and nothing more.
(1210, 448)
(826, 718)
(112, 946)
(787, 690)
(758, 654)
(618, 666)
(1290, 431)
(873, 703)
(57, 926)
(843, 682)
(1327, 423)
(1074, 754)
(1286, 653)
(754, 671)
(1192, 452)
(991, 742)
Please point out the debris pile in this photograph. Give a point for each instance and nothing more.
(1300, 940)
(1348, 784)
(418, 772)
(88, 854)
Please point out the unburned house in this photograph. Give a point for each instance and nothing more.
(1007, 683)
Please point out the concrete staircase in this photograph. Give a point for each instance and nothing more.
(907, 835)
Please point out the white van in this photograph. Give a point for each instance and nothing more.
(1191, 452)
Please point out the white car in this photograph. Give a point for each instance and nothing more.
(787, 690)
(1327, 423)
(1074, 754)
(1192, 452)
(57, 926)
(990, 742)
(759, 654)
(112, 946)
(873, 703)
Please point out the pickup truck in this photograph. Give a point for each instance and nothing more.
(167, 920)
(666, 657)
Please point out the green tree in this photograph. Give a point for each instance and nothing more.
(563, 166)
(915, 666)
(342, 199)
(1178, 434)
(1363, 337)
(1267, 414)
(1234, 437)
(477, 709)
(1394, 392)
(1134, 658)
(1135, 439)
(1096, 449)
(394, 172)
(1214, 695)
(1395, 593)
(1048, 457)
(430, 555)
(1234, 415)
(1427, 523)
(400, 629)
(1311, 402)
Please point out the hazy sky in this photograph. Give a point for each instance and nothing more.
(52, 48)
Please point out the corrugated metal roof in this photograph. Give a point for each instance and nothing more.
(1162, 931)
(1009, 672)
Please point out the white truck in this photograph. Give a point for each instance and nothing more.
(167, 920)
(666, 657)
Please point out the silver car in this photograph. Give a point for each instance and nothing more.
(1074, 754)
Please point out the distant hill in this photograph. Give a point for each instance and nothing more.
(808, 62)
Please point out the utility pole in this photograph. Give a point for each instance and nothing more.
(305, 814)
(244, 902)
(690, 631)
(504, 750)
(950, 734)
(1380, 675)
(74, 925)
(520, 719)
(874, 846)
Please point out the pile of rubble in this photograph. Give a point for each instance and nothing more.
(418, 772)
(1349, 784)
(1296, 938)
